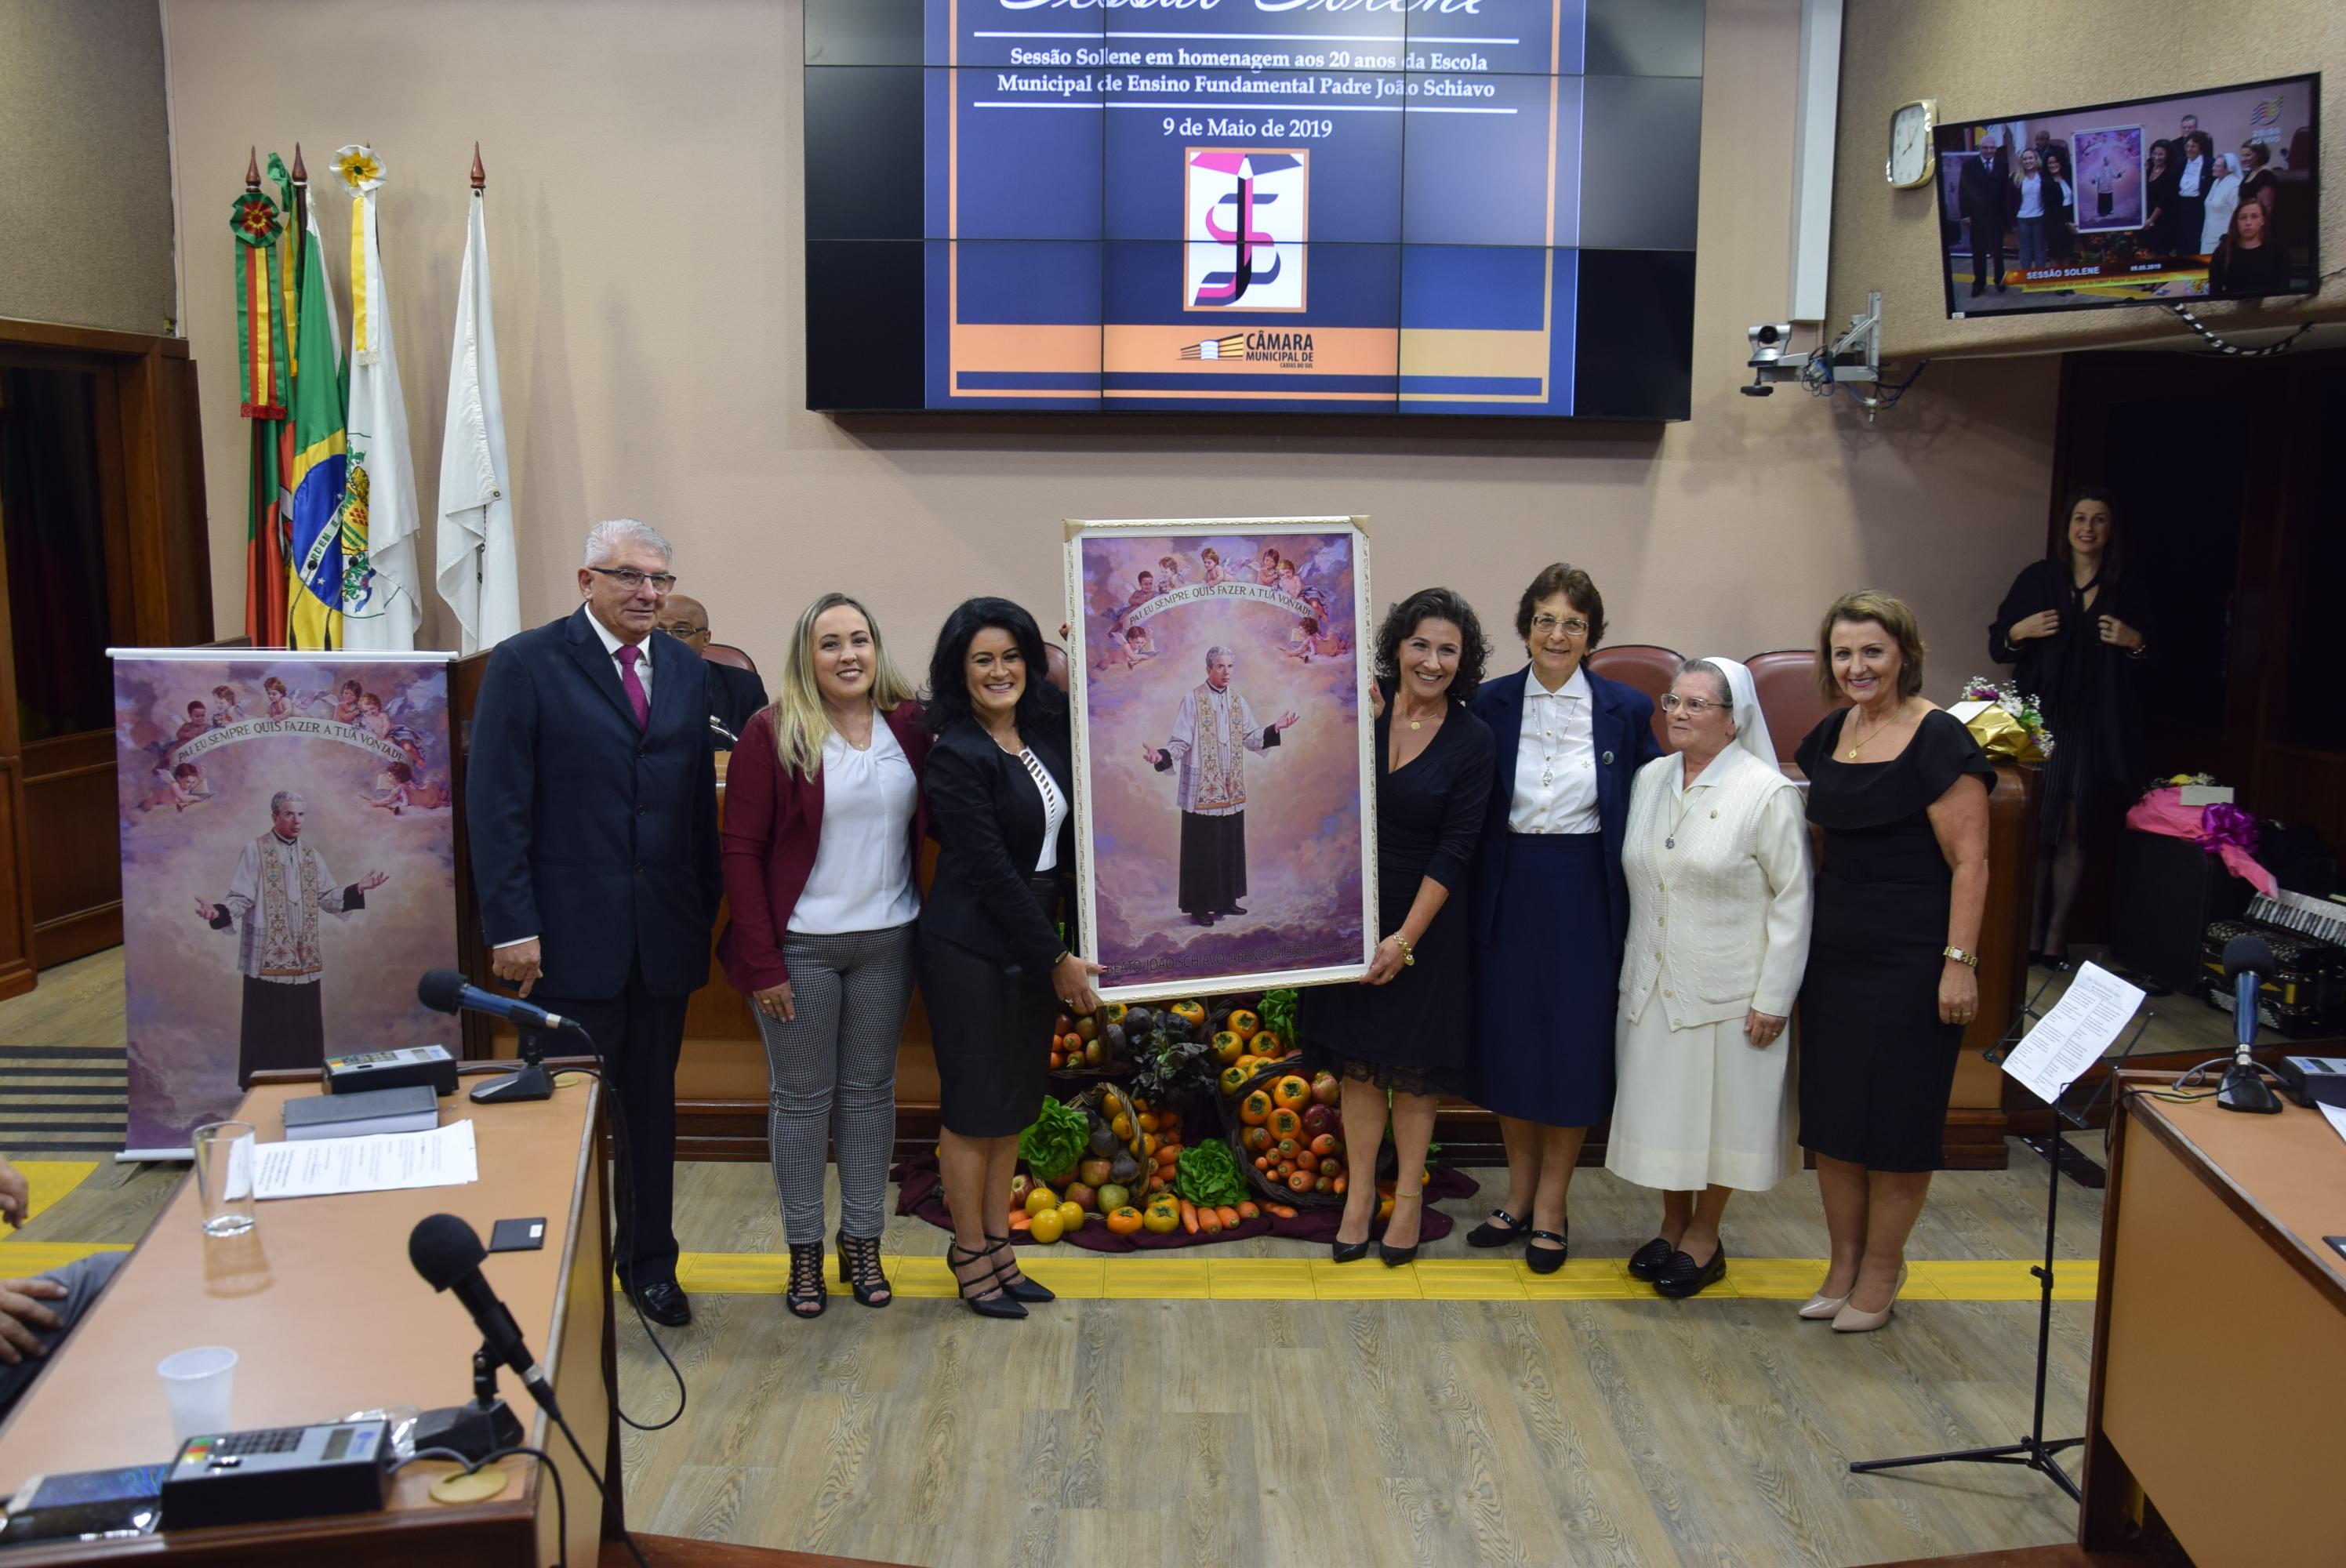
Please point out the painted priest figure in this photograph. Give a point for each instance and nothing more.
(273, 901)
(1211, 736)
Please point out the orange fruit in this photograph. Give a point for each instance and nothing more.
(1291, 1092)
(1148, 1122)
(1071, 1217)
(1256, 1138)
(1190, 1012)
(1244, 1024)
(1249, 1064)
(1228, 1047)
(1149, 1146)
(1233, 1079)
(1109, 1104)
(1122, 1129)
(1158, 1221)
(1041, 1198)
(1048, 1226)
(1266, 1044)
(1282, 1121)
(1256, 1110)
(1123, 1221)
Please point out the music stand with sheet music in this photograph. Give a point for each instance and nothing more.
(2032, 1451)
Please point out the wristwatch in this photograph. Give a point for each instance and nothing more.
(1970, 960)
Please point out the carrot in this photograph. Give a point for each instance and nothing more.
(1209, 1222)
(1248, 1211)
(1021, 1221)
(1188, 1217)
(1227, 1216)
(1279, 1209)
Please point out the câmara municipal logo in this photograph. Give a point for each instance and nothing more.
(1264, 346)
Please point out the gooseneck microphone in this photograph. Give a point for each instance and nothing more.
(448, 1253)
(2248, 959)
(446, 990)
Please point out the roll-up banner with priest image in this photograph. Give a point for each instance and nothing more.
(288, 867)
(1224, 831)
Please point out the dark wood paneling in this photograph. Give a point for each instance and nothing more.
(75, 860)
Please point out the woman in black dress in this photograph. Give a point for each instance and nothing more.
(993, 966)
(1550, 902)
(2248, 262)
(1402, 1028)
(2072, 628)
(2060, 205)
(2158, 177)
(1900, 790)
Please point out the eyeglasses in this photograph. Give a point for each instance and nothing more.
(1696, 707)
(632, 580)
(1548, 625)
(683, 629)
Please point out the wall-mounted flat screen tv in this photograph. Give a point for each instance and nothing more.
(2151, 201)
(1441, 206)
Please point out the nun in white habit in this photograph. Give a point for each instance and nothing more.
(1716, 853)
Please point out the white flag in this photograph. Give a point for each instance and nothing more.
(380, 606)
(478, 576)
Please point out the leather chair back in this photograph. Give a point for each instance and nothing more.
(725, 653)
(1785, 682)
(1647, 667)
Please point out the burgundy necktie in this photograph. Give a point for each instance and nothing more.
(629, 655)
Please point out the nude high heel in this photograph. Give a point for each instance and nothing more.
(1849, 1320)
(1822, 1306)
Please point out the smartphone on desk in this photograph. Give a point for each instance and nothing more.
(87, 1505)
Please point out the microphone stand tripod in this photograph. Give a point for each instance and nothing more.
(530, 1082)
(478, 1429)
(2031, 1452)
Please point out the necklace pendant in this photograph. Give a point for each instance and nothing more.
(1417, 724)
(1852, 754)
(1671, 843)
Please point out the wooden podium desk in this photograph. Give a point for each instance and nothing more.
(327, 1318)
(2218, 1391)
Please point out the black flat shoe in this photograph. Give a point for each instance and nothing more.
(859, 1268)
(1647, 1260)
(806, 1297)
(1548, 1259)
(1682, 1277)
(1016, 1286)
(983, 1295)
(1489, 1234)
(665, 1303)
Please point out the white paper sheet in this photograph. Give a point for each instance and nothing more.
(2075, 1034)
(384, 1162)
(2337, 1119)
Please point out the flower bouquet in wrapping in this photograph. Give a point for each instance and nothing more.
(2005, 720)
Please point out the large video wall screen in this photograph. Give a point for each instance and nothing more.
(1425, 207)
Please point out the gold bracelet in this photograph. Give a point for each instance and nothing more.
(1408, 953)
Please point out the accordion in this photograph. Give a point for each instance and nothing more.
(2306, 992)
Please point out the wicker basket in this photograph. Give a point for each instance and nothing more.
(1234, 1132)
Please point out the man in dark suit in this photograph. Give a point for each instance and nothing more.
(592, 798)
(1983, 193)
(734, 693)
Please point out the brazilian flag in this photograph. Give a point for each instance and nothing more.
(321, 451)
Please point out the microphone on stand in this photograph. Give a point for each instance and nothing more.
(448, 1253)
(2247, 960)
(723, 734)
(446, 990)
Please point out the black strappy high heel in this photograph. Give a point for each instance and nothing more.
(859, 1268)
(1016, 1285)
(990, 1300)
(806, 1297)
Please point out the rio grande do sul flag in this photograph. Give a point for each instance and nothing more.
(378, 517)
(313, 479)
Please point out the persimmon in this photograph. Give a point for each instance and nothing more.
(1190, 1012)
(1290, 1093)
(1150, 1122)
(1255, 1111)
(1123, 1221)
(1266, 1044)
(1243, 1023)
(1234, 1079)
(1228, 1047)
(1282, 1121)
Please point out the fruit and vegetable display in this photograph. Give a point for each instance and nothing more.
(1103, 1156)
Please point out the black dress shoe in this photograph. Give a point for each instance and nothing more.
(1201, 920)
(1647, 1260)
(1682, 1277)
(1490, 1235)
(1348, 1251)
(664, 1302)
(1233, 909)
(1548, 1259)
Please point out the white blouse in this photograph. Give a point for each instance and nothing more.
(861, 878)
(1054, 810)
(1556, 761)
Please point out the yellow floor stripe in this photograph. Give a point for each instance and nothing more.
(23, 1259)
(1140, 1277)
(52, 1179)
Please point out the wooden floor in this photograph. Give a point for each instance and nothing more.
(1131, 1433)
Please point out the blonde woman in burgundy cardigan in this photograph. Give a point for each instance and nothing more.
(1716, 853)
(823, 823)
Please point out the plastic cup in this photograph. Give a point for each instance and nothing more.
(198, 1383)
(224, 1171)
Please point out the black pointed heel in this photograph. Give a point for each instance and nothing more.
(1548, 1259)
(859, 1268)
(805, 1296)
(990, 1300)
(1016, 1286)
(1394, 1257)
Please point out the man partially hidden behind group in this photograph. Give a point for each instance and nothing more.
(281, 886)
(735, 695)
(1211, 736)
(592, 808)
